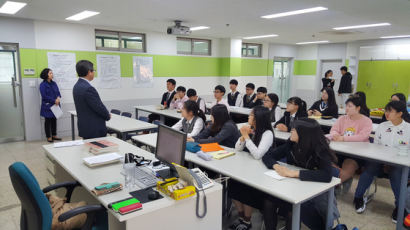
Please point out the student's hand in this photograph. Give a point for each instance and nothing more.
(285, 172)
(317, 113)
(339, 94)
(338, 138)
(282, 127)
(175, 97)
(190, 139)
(242, 139)
(57, 101)
(245, 131)
(310, 112)
(333, 80)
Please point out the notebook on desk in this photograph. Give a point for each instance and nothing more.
(102, 159)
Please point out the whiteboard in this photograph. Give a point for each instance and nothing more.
(143, 72)
(63, 67)
(109, 71)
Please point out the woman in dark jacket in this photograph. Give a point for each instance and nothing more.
(326, 106)
(327, 81)
(50, 95)
(222, 130)
(308, 149)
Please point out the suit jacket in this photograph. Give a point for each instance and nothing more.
(91, 112)
(164, 98)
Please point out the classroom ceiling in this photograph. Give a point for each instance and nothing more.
(243, 17)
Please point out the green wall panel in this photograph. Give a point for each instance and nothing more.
(255, 67)
(304, 67)
(378, 78)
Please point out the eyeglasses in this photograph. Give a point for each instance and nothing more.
(265, 100)
(217, 91)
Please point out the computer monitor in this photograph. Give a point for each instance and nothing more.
(171, 145)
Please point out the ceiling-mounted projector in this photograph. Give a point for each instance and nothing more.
(178, 29)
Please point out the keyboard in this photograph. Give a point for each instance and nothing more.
(145, 177)
(206, 182)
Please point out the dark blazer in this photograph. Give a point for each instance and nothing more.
(329, 111)
(91, 112)
(227, 136)
(164, 98)
(346, 84)
(49, 92)
(286, 119)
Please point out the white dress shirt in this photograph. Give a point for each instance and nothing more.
(223, 101)
(263, 147)
(201, 104)
(278, 114)
(198, 126)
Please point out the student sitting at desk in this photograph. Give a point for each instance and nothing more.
(260, 95)
(260, 142)
(307, 148)
(295, 109)
(191, 93)
(193, 119)
(179, 98)
(397, 97)
(393, 133)
(363, 107)
(249, 96)
(166, 99)
(326, 106)
(271, 102)
(234, 97)
(222, 130)
(219, 93)
(352, 127)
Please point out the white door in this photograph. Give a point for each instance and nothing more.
(281, 78)
(333, 65)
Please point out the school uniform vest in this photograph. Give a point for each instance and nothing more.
(187, 128)
(232, 99)
(248, 101)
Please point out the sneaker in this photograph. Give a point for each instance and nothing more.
(235, 224)
(394, 215)
(244, 226)
(359, 204)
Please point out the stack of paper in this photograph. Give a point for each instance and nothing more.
(102, 146)
(68, 143)
(218, 155)
(102, 159)
(274, 174)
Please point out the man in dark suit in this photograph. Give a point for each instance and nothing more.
(91, 112)
(166, 99)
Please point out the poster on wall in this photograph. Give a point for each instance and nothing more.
(63, 67)
(109, 71)
(143, 74)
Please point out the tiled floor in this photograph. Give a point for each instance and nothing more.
(376, 216)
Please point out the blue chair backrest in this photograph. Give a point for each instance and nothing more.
(35, 207)
(116, 111)
(126, 114)
(143, 119)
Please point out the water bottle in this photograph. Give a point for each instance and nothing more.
(129, 175)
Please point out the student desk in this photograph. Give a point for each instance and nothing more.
(172, 113)
(233, 167)
(122, 125)
(68, 163)
(239, 110)
(384, 155)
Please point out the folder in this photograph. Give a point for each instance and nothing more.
(211, 147)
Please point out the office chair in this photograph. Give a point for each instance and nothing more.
(126, 114)
(36, 211)
(116, 111)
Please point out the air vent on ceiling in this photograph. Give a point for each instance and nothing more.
(348, 32)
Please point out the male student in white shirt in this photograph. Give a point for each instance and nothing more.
(191, 93)
(234, 97)
(219, 93)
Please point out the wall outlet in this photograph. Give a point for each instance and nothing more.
(32, 84)
(29, 72)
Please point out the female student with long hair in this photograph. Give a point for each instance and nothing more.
(258, 138)
(394, 132)
(309, 149)
(363, 107)
(352, 127)
(271, 102)
(327, 81)
(222, 130)
(397, 97)
(295, 109)
(193, 119)
(326, 106)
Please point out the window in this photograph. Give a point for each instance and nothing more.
(193, 46)
(251, 50)
(121, 41)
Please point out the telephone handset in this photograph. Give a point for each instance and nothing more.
(198, 185)
(197, 182)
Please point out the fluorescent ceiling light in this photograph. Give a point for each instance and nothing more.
(10, 7)
(261, 36)
(199, 28)
(396, 36)
(295, 12)
(314, 42)
(362, 26)
(83, 15)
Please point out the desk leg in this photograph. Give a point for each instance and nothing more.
(124, 136)
(72, 127)
(162, 119)
(329, 218)
(402, 198)
(136, 113)
(296, 217)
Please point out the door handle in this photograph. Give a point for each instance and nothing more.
(14, 84)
